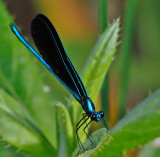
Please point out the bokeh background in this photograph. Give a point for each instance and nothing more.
(134, 74)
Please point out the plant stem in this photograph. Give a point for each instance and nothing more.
(125, 50)
(103, 17)
(103, 24)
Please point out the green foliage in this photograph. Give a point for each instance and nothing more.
(103, 19)
(6, 151)
(127, 37)
(18, 129)
(98, 64)
(21, 78)
(31, 124)
(28, 121)
(65, 130)
(138, 127)
(96, 69)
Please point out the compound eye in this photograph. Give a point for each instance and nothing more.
(93, 117)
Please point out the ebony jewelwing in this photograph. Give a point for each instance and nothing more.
(55, 59)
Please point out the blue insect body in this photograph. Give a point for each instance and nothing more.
(55, 59)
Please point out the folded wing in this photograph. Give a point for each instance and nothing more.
(50, 47)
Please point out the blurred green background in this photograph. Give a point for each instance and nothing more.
(77, 23)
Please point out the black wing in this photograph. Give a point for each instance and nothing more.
(50, 47)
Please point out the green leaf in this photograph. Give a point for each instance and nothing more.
(99, 138)
(65, 130)
(96, 69)
(98, 65)
(138, 127)
(19, 130)
(21, 78)
(8, 151)
(100, 60)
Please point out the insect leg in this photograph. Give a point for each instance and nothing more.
(79, 141)
(84, 115)
(85, 128)
(77, 128)
(87, 134)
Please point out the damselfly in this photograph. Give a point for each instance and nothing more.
(54, 58)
